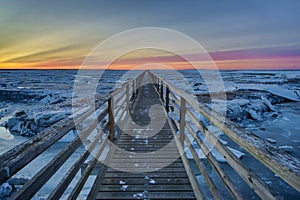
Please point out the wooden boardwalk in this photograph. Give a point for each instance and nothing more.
(166, 179)
(143, 129)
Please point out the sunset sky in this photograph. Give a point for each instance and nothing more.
(256, 34)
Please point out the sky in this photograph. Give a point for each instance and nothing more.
(256, 34)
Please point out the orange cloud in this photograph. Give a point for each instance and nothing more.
(262, 59)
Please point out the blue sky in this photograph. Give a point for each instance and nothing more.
(70, 29)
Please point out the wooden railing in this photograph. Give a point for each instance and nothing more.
(108, 107)
(178, 104)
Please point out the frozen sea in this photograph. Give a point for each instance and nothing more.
(279, 123)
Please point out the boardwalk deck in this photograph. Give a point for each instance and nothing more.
(137, 171)
(146, 135)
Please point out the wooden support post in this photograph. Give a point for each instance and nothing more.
(127, 97)
(167, 98)
(158, 85)
(162, 90)
(182, 120)
(133, 88)
(136, 85)
(111, 123)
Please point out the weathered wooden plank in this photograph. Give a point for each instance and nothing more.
(79, 185)
(156, 139)
(142, 188)
(142, 160)
(174, 98)
(167, 99)
(111, 119)
(182, 120)
(66, 180)
(202, 169)
(223, 176)
(127, 97)
(120, 97)
(191, 175)
(133, 155)
(138, 181)
(64, 125)
(255, 183)
(174, 107)
(143, 175)
(162, 90)
(16, 164)
(141, 166)
(145, 195)
(32, 186)
(162, 170)
(249, 177)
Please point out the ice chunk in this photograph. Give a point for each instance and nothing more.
(288, 149)
(5, 134)
(152, 181)
(237, 153)
(268, 103)
(124, 187)
(52, 99)
(272, 141)
(254, 115)
(218, 156)
(240, 102)
(223, 141)
(5, 190)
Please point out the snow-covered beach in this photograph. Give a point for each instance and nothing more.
(266, 103)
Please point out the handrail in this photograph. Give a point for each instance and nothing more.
(17, 158)
(284, 165)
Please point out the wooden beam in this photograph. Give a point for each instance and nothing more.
(111, 126)
(167, 99)
(32, 186)
(215, 164)
(182, 120)
(202, 169)
(67, 179)
(127, 97)
(189, 172)
(162, 90)
(79, 185)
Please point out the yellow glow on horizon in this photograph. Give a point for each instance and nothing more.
(133, 62)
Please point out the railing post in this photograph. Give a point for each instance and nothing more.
(162, 90)
(133, 88)
(167, 98)
(182, 120)
(111, 126)
(136, 85)
(127, 97)
(158, 85)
